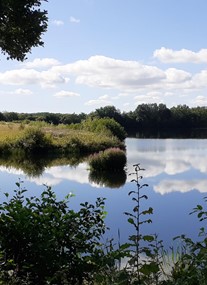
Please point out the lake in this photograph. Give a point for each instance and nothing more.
(175, 170)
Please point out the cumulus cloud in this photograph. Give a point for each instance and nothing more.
(30, 77)
(174, 75)
(64, 94)
(105, 72)
(149, 97)
(200, 101)
(41, 63)
(74, 20)
(101, 101)
(167, 55)
(58, 22)
(131, 76)
(125, 77)
(22, 91)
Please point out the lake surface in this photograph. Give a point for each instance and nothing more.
(175, 170)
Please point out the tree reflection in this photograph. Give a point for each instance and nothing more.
(33, 165)
(109, 179)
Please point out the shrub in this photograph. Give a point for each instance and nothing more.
(33, 140)
(42, 241)
(109, 159)
(105, 126)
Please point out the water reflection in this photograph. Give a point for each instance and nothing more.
(35, 165)
(108, 179)
(52, 171)
(176, 172)
(173, 164)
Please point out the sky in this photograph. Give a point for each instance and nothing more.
(112, 52)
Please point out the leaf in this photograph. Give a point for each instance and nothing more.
(136, 208)
(144, 196)
(131, 192)
(150, 268)
(124, 246)
(199, 207)
(131, 221)
(129, 214)
(148, 238)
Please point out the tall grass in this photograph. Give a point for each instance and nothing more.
(14, 136)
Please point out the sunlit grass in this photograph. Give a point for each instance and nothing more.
(60, 137)
(10, 131)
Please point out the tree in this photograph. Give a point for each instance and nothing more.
(108, 112)
(22, 24)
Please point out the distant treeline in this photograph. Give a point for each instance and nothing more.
(145, 117)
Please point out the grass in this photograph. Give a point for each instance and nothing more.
(10, 131)
(59, 138)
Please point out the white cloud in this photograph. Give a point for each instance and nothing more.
(177, 76)
(42, 63)
(126, 77)
(105, 72)
(74, 20)
(200, 101)
(101, 101)
(104, 97)
(30, 77)
(183, 56)
(21, 91)
(131, 76)
(58, 22)
(149, 97)
(64, 94)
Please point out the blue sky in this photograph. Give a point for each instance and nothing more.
(112, 52)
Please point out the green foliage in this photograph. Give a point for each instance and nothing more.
(144, 264)
(22, 24)
(42, 137)
(33, 140)
(146, 120)
(113, 159)
(42, 241)
(105, 126)
(191, 266)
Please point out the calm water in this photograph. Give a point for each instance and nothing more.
(176, 171)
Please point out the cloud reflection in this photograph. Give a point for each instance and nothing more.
(167, 186)
(170, 161)
(171, 165)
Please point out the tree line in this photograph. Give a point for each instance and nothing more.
(145, 117)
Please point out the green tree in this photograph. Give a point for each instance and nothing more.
(108, 112)
(22, 24)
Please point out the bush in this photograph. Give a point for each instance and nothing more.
(110, 159)
(42, 241)
(33, 140)
(105, 126)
